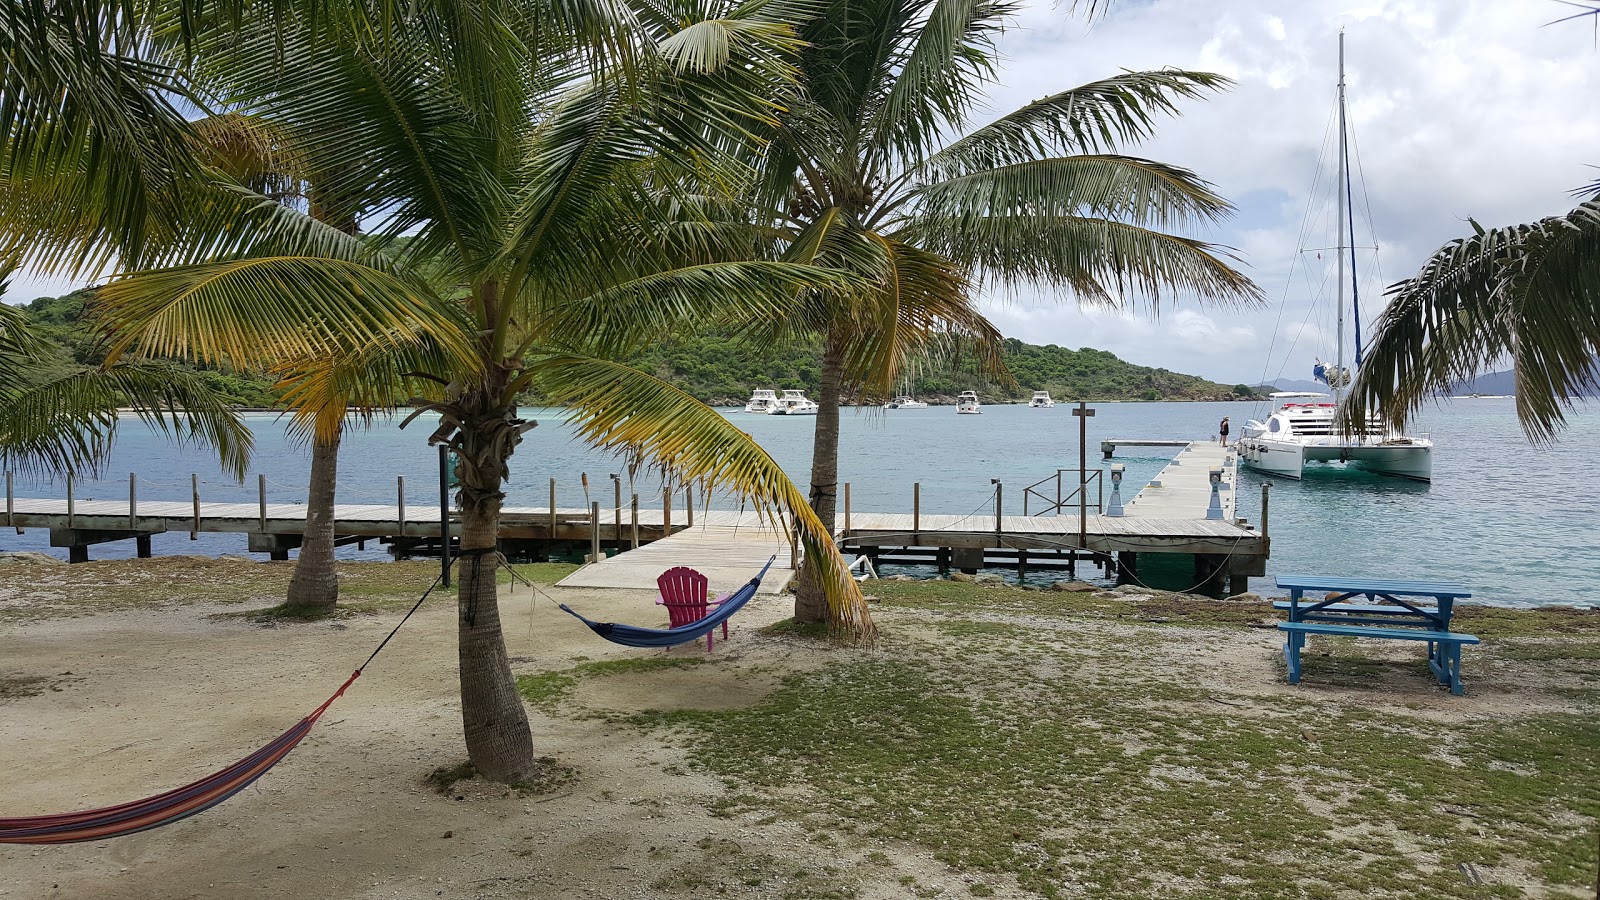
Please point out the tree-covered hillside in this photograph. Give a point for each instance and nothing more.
(723, 370)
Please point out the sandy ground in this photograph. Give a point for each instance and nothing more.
(138, 702)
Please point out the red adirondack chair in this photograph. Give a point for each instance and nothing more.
(686, 595)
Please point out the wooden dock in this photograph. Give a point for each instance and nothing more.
(729, 548)
(632, 544)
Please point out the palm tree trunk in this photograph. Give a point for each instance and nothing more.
(494, 721)
(810, 604)
(315, 584)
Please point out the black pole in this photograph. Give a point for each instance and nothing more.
(444, 514)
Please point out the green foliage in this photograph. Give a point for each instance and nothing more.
(722, 370)
(71, 345)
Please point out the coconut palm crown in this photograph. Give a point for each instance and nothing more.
(876, 168)
(1528, 293)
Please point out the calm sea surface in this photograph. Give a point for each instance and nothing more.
(1517, 524)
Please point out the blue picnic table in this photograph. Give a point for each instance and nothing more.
(1407, 614)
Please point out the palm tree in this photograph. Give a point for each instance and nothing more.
(875, 169)
(1528, 293)
(549, 203)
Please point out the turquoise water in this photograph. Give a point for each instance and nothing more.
(1515, 523)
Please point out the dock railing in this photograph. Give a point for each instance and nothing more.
(1069, 498)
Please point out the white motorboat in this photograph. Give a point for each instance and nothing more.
(1301, 428)
(1041, 400)
(967, 404)
(906, 402)
(793, 403)
(761, 401)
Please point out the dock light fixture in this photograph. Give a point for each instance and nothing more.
(1214, 511)
(1114, 508)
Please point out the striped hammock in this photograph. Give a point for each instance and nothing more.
(163, 809)
(634, 636)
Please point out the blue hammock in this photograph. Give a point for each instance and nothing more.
(634, 636)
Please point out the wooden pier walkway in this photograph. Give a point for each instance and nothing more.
(1183, 489)
(729, 548)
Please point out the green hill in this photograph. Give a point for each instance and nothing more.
(722, 370)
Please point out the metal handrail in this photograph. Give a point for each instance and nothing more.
(1069, 498)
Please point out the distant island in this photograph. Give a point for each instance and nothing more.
(722, 369)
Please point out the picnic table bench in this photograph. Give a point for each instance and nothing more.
(1405, 616)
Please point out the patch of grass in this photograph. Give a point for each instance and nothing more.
(550, 776)
(16, 687)
(541, 573)
(1499, 622)
(719, 867)
(283, 614)
(995, 763)
(549, 688)
(807, 630)
(444, 778)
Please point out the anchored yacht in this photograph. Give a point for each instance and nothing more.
(905, 403)
(761, 401)
(967, 404)
(793, 403)
(1304, 428)
(1041, 400)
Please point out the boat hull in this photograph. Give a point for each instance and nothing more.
(1288, 459)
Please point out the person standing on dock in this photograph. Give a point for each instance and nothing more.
(1223, 430)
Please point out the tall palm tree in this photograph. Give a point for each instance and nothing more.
(876, 169)
(1525, 293)
(550, 204)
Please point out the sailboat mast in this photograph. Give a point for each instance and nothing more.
(1344, 162)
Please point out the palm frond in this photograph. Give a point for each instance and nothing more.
(260, 312)
(1528, 293)
(68, 425)
(1098, 117)
(627, 411)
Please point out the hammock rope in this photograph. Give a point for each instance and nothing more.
(634, 636)
(197, 797)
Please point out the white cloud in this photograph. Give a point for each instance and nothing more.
(1459, 108)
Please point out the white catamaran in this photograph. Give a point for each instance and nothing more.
(1303, 428)
(761, 401)
(967, 404)
(793, 403)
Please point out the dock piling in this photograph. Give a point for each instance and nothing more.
(194, 492)
(688, 503)
(261, 491)
(552, 509)
(400, 498)
(11, 502)
(133, 501)
(444, 513)
(71, 523)
(616, 510)
(635, 515)
(594, 532)
(666, 512)
(847, 507)
(916, 511)
(998, 489)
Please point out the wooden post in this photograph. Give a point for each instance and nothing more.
(916, 511)
(847, 507)
(635, 515)
(400, 497)
(552, 509)
(70, 505)
(133, 501)
(616, 512)
(1266, 506)
(794, 547)
(1084, 413)
(666, 512)
(594, 532)
(998, 504)
(688, 502)
(194, 491)
(261, 489)
(444, 514)
(11, 503)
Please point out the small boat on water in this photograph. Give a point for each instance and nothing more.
(761, 401)
(1041, 400)
(793, 403)
(967, 404)
(906, 402)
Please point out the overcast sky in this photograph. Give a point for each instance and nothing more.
(1459, 108)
